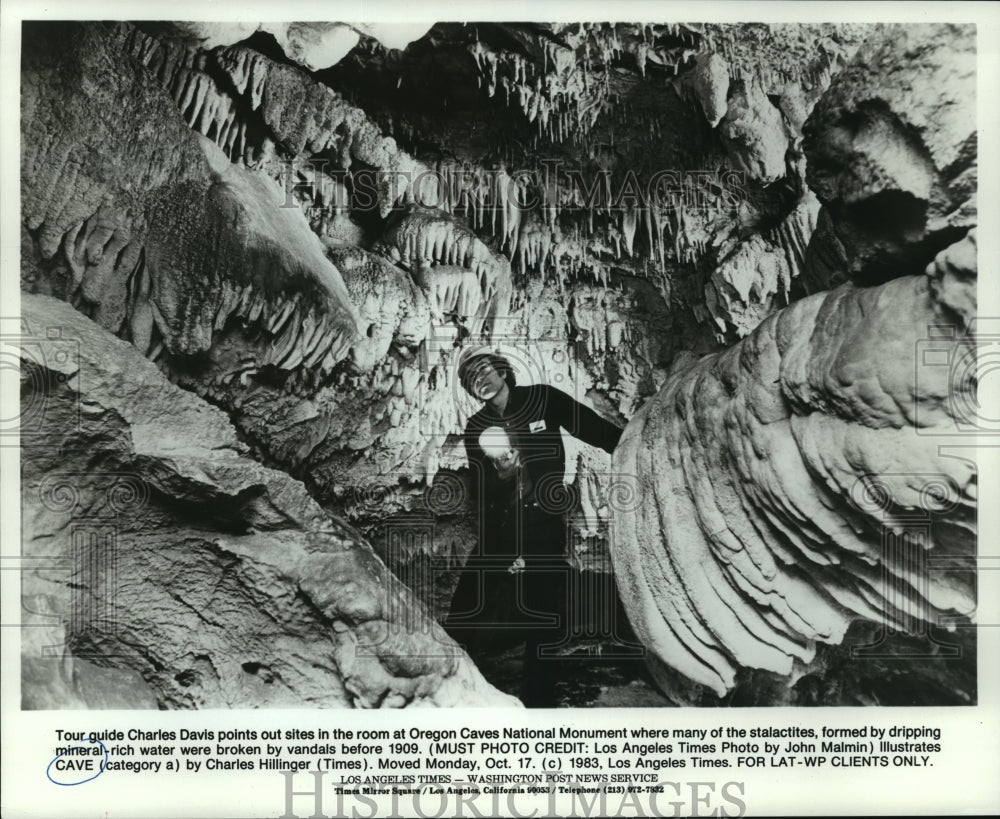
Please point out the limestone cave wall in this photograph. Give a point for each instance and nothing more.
(279, 239)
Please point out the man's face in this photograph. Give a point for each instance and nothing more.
(484, 381)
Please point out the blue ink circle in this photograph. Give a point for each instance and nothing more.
(70, 784)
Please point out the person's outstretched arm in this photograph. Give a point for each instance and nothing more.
(582, 422)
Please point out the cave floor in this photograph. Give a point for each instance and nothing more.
(596, 673)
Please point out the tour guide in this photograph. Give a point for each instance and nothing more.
(515, 584)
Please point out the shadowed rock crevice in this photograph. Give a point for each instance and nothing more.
(732, 238)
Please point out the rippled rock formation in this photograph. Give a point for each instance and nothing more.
(776, 478)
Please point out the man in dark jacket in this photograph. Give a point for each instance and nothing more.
(515, 584)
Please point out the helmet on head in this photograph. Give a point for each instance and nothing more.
(472, 358)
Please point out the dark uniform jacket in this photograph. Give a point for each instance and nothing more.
(532, 419)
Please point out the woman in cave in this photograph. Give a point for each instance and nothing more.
(515, 584)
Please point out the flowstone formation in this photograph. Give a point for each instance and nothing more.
(177, 572)
(307, 224)
(795, 482)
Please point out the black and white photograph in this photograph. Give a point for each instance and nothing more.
(606, 388)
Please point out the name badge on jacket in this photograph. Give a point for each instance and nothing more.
(536, 426)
